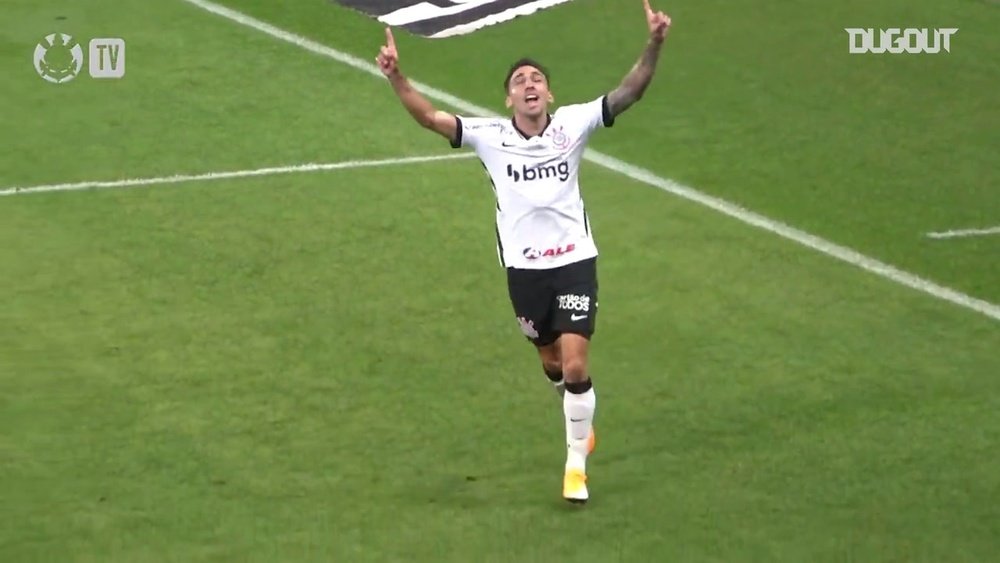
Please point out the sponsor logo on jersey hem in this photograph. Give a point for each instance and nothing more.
(534, 254)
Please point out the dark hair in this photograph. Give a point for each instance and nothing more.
(520, 63)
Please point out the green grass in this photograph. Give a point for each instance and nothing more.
(324, 367)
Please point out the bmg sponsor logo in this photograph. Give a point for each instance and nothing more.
(895, 40)
(530, 174)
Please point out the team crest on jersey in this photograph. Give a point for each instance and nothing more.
(446, 18)
(560, 139)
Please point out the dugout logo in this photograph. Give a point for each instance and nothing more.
(446, 18)
(895, 40)
(58, 58)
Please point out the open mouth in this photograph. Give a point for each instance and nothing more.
(531, 98)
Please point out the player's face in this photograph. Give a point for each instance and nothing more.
(529, 94)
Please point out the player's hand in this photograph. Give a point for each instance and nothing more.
(659, 23)
(388, 58)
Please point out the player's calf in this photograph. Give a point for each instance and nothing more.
(552, 366)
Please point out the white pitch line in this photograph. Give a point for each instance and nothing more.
(749, 217)
(177, 179)
(965, 233)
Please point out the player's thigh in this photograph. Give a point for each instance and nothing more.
(574, 308)
(531, 297)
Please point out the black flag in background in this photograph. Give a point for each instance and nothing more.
(446, 18)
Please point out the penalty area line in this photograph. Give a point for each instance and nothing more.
(208, 176)
(961, 233)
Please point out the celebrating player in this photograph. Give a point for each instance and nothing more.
(544, 239)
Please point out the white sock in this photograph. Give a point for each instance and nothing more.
(579, 411)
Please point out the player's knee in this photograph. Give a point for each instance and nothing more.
(553, 370)
(574, 369)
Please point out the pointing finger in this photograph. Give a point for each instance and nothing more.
(389, 39)
(645, 4)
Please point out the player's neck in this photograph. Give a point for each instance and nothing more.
(531, 126)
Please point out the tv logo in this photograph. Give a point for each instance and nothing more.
(895, 40)
(560, 171)
(107, 57)
(59, 58)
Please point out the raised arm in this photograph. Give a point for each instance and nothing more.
(422, 111)
(635, 82)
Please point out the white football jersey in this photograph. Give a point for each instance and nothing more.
(541, 220)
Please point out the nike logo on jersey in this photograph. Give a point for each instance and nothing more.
(575, 318)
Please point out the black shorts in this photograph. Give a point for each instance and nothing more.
(548, 303)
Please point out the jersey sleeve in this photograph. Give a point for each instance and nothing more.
(472, 130)
(593, 115)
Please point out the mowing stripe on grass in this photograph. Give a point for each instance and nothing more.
(177, 179)
(959, 233)
(732, 210)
